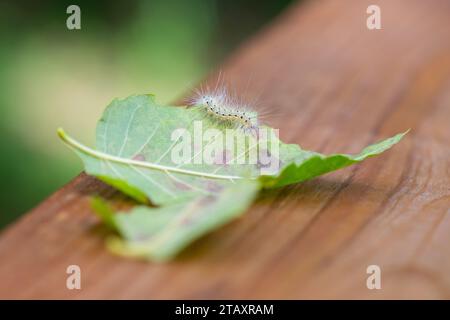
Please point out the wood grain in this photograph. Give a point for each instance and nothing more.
(336, 87)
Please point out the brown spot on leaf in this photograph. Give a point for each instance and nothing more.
(213, 186)
(139, 157)
(207, 200)
(181, 186)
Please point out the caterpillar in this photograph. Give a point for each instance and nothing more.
(220, 106)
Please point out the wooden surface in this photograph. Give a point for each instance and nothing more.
(336, 87)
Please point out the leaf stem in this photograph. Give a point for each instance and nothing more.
(104, 156)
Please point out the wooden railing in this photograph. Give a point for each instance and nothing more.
(336, 86)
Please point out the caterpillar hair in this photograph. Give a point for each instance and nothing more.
(226, 109)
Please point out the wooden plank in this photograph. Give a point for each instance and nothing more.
(336, 86)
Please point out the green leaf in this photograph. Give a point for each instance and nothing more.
(304, 165)
(160, 233)
(134, 148)
(134, 154)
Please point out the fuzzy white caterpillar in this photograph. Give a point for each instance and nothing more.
(226, 110)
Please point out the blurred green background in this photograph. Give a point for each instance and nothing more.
(51, 76)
